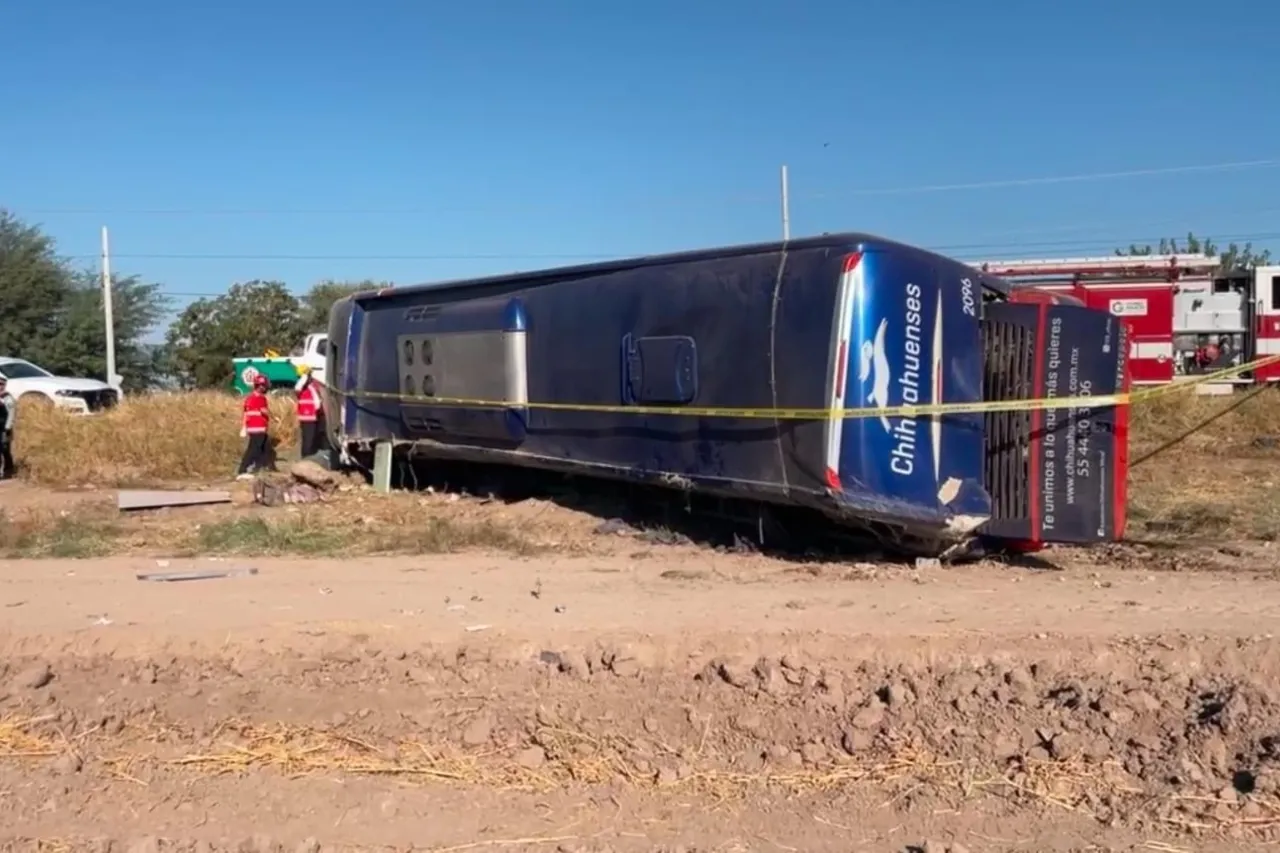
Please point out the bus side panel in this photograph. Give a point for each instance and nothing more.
(463, 350)
(701, 333)
(374, 406)
(696, 334)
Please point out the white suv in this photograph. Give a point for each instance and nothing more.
(77, 396)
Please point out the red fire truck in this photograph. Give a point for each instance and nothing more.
(1185, 317)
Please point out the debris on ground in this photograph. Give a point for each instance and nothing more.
(315, 474)
(138, 499)
(309, 482)
(172, 577)
(613, 527)
(268, 493)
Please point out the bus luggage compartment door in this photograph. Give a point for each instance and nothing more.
(1055, 475)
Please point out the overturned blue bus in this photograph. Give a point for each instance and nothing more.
(673, 370)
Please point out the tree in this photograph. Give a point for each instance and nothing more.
(1234, 258)
(79, 345)
(248, 319)
(34, 285)
(52, 314)
(320, 298)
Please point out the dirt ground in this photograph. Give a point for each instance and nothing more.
(671, 698)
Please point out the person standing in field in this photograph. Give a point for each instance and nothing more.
(254, 427)
(8, 416)
(310, 413)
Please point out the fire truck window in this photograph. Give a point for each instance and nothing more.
(1275, 293)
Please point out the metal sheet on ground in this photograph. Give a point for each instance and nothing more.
(173, 577)
(135, 499)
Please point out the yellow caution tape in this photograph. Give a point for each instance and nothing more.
(808, 414)
(1154, 391)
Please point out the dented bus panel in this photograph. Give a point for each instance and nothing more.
(542, 369)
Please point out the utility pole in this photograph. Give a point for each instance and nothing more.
(786, 206)
(107, 310)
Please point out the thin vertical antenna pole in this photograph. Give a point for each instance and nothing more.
(786, 206)
(108, 315)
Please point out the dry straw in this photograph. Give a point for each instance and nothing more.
(18, 738)
(155, 438)
(574, 756)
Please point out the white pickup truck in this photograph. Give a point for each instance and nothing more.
(71, 394)
(313, 353)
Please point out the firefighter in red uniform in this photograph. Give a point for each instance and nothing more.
(310, 413)
(1206, 354)
(254, 427)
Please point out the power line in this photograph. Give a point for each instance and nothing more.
(184, 256)
(1112, 227)
(513, 256)
(987, 250)
(1058, 179)
(1045, 180)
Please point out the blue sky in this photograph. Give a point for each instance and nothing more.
(412, 141)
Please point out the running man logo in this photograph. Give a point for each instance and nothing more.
(875, 366)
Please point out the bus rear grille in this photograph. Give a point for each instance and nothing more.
(1009, 374)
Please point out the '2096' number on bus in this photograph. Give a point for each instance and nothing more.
(967, 299)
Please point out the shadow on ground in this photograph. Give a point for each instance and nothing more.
(668, 516)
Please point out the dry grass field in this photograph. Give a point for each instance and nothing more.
(162, 438)
(1202, 467)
